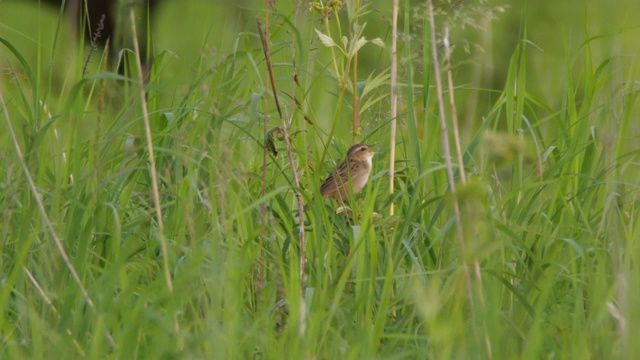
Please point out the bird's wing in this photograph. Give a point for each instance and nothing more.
(338, 179)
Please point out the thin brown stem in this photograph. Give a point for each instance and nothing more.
(447, 149)
(263, 206)
(287, 140)
(394, 100)
(152, 161)
(272, 82)
(303, 260)
(452, 104)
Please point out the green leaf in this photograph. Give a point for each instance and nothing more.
(326, 40)
(378, 41)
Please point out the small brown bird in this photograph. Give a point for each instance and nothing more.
(354, 171)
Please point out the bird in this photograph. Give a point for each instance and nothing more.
(350, 176)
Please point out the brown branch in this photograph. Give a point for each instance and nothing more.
(287, 140)
(267, 56)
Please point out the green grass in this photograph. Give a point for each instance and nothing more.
(549, 213)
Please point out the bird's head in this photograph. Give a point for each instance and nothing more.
(361, 152)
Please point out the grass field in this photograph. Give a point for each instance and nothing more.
(146, 219)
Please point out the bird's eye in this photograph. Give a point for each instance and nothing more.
(363, 149)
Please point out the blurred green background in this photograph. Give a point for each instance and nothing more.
(197, 33)
(206, 98)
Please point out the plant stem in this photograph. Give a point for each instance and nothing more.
(152, 163)
(394, 100)
(287, 140)
(447, 149)
(452, 104)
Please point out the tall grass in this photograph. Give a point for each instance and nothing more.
(549, 210)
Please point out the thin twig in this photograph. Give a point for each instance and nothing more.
(452, 104)
(287, 140)
(263, 206)
(152, 162)
(267, 55)
(303, 260)
(447, 149)
(394, 100)
(40, 290)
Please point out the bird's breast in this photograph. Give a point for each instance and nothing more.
(360, 180)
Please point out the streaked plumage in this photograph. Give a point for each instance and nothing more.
(356, 168)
